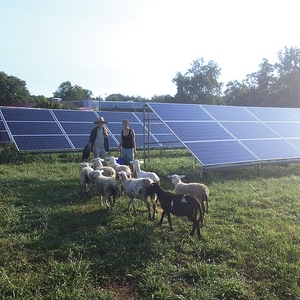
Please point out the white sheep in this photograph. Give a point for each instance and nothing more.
(118, 168)
(197, 189)
(107, 187)
(86, 178)
(138, 188)
(107, 171)
(143, 174)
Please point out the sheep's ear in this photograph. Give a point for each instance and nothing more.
(140, 161)
(181, 176)
(170, 176)
(131, 162)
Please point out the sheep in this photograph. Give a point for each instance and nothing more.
(143, 174)
(107, 187)
(137, 188)
(118, 167)
(107, 171)
(200, 190)
(86, 178)
(179, 205)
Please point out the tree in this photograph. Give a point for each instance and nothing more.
(287, 88)
(67, 92)
(199, 84)
(12, 90)
(236, 93)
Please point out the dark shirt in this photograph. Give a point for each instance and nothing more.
(127, 140)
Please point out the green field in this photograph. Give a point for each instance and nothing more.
(57, 244)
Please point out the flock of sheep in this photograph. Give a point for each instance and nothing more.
(188, 199)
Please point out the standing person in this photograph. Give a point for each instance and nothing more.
(127, 143)
(99, 140)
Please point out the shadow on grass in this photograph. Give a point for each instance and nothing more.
(61, 224)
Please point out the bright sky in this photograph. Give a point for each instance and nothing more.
(136, 47)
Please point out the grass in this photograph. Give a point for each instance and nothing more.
(57, 244)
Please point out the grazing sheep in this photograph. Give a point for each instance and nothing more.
(143, 174)
(107, 187)
(86, 178)
(200, 190)
(118, 168)
(137, 188)
(179, 205)
(107, 171)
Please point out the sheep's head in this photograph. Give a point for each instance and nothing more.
(112, 159)
(124, 174)
(176, 178)
(135, 162)
(97, 162)
(96, 174)
(85, 165)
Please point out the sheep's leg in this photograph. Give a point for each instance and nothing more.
(154, 206)
(110, 203)
(133, 205)
(195, 225)
(148, 208)
(113, 201)
(162, 217)
(170, 221)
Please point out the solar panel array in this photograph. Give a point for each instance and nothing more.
(225, 135)
(55, 130)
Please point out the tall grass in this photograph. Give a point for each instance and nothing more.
(57, 244)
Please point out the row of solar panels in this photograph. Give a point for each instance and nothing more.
(223, 135)
(215, 135)
(54, 130)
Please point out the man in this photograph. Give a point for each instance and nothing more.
(99, 140)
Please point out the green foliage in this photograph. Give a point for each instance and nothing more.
(57, 244)
(199, 84)
(12, 90)
(272, 85)
(67, 92)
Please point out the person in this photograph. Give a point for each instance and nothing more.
(99, 140)
(127, 144)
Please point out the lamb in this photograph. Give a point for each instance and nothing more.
(118, 167)
(138, 188)
(179, 205)
(86, 178)
(143, 174)
(107, 187)
(107, 171)
(200, 190)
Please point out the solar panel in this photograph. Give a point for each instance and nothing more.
(4, 137)
(250, 130)
(229, 113)
(228, 135)
(220, 152)
(26, 114)
(286, 130)
(30, 129)
(271, 114)
(195, 131)
(42, 143)
(272, 149)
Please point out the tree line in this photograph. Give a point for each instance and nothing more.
(276, 85)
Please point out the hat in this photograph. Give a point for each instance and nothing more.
(101, 120)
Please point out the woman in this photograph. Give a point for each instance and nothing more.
(99, 140)
(127, 144)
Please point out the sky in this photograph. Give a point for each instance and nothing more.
(136, 47)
